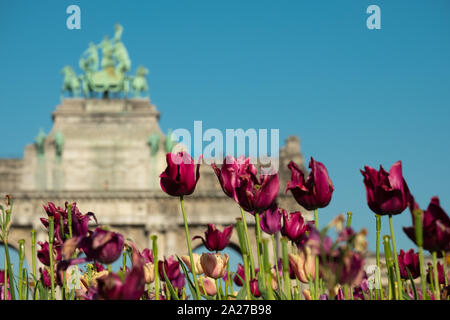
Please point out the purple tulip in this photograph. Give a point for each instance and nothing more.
(271, 219)
(102, 245)
(256, 194)
(254, 288)
(2, 286)
(441, 275)
(231, 170)
(215, 240)
(313, 192)
(111, 287)
(409, 261)
(387, 193)
(147, 254)
(79, 221)
(173, 272)
(241, 272)
(181, 174)
(436, 227)
(295, 227)
(45, 277)
(44, 255)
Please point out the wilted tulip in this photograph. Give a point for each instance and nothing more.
(313, 192)
(295, 227)
(214, 264)
(181, 174)
(387, 193)
(215, 240)
(271, 219)
(435, 226)
(79, 221)
(209, 286)
(230, 171)
(187, 262)
(111, 287)
(102, 245)
(409, 261)
(303, 265)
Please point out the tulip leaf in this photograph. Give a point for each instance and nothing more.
(412, 284)
(172, 291)
(189, 281)
(242, 293)
(261, 287)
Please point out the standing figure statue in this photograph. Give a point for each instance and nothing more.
(139, 83)
(153, 142)
(59, 144)
(39, 142)
(90, 63)
(120, 52)
(107, 53)
(170, 142)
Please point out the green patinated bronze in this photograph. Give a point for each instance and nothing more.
(59, 144)
(169, 143)
(112, 78)
(39, 141)
(153, 142)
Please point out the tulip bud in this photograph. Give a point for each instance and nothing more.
(198, 265)
(209, 286)
(214, 265)
(149, 272)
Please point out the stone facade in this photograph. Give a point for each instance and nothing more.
(106, 167)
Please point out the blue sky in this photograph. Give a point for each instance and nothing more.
(354, 96)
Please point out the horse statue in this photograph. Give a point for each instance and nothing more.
(139, 83)
(71, 82)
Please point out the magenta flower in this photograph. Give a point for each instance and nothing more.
(441, 275)
(255, 194)
(173, 272)
(44, 255)
(45, 277)
(79, 221)
(315, 191)
(181, 175)
(102, 245)
(215, 240)
(254, 288)
(231, 170)
(436, 227)
(241, 272)
(111, 286)
(408, 261)
(271, 219)
(147, 254)
(387, 193)
(295, 227)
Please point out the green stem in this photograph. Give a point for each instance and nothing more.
(155, 260)
(285, 261)
(33, 255)
(267, 270)
(5, 287)
(191, 256)
(275, 257)
(249, 247)
(316, 278)
(21, 258)
(419, 240)
(258, 246)
(349, 219)
(437, 295)
(397, 269)
(444, 264)
(247, 276)
(379, 291)
(69, 216)
(389, 265)
(51, 227)
(219, 295)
